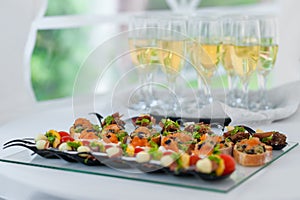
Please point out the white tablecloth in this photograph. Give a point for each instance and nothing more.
(278, 181)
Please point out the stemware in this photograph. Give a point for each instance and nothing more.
(227, 57)
(246, 40)
(142, 43)
(205, 33)
(267, 57)
(171, 45)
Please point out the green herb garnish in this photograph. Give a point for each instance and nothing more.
(124, 147)
(50, 137)
(153, 145)
(267, 138)
(216, 149)
(237, 129)
(143, 121)
(108, 120)
(196, 135)
(79, 129)
(183, 147)
(121, 135)
(197, 128)
(214, 158)
(94, 144)
(155, 154)
(227, 140)
(168, 122)
(96, 127)
(165, 133)
(74, 144)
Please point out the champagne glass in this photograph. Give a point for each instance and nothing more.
(246, 39)
(267, 56)
(171, 45)
(227, 57)
(142, 43)
(205, 52)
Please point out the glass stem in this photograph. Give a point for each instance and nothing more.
(143, 81)
(245, 88)
(204, 91)
(232, 90)
(262, 81)
(230, 82)
(149, 88)
(172, 87)
(230, 94)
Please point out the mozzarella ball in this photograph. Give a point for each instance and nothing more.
(40, 137)
(142, 157)
(204, 166)
(42, 144)
(64, 147)
(83, 149)
(166, 161)
(113, 152)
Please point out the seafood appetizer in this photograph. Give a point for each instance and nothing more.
(151, 146)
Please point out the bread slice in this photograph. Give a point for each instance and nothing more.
(252, 159)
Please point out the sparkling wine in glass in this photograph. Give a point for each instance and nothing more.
(142, 44)
(205, 51)
(246, 37)
(267, 57)
(227, 58)
(171, 51)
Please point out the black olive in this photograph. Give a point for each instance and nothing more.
(244, 146)
(141, 135)
(168, 142)
(109, 136)
(251, 151)
(199, 146)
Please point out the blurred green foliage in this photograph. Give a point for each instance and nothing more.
(55, 61)
(58, 54)
(207, 3)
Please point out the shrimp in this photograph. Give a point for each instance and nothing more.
(170, 144)
(88, 134)
(112, 128)
(79, 125)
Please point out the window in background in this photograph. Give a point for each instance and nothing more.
(58, 53)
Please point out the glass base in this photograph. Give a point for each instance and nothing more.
(241, 174)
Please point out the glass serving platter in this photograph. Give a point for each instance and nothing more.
(241, 174)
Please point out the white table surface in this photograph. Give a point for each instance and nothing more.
(278, 181)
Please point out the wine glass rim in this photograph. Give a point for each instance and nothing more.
(265, 16)
(257, 16)
(173, 18)
(204, 18)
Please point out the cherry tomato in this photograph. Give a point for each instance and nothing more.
(66, 139)
(229, 164)
(63, 133)
(138, 149)
(193, 160)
